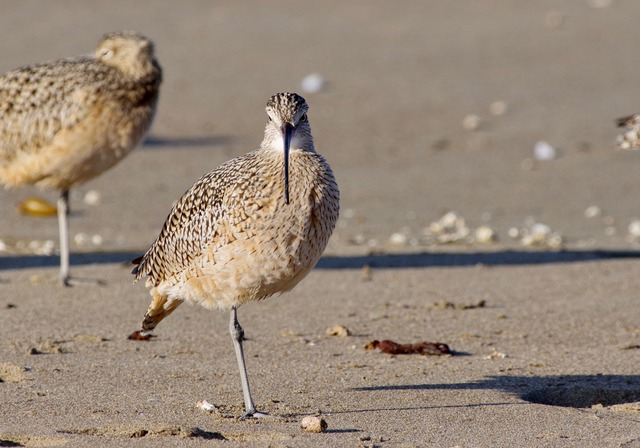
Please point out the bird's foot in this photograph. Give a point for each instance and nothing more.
(74, 281)
(255, 414)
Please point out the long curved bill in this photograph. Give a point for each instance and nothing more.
(287, 131)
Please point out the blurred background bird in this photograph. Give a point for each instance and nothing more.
(63, 123)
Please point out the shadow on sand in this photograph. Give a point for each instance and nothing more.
(385, 261)
(155, 142)
(574, 391)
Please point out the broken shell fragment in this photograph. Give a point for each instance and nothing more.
(206, 406)
(37, 207)
(338, 330)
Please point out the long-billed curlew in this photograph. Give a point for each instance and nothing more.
(63, 123)
(630, 138)
(252, 228)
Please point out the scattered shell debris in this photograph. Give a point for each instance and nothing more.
(338, 330)
(83, 239)
(37, 207)
(312, 423)
(206, 406)
(624, 141)
(420, 348)
(451, 228)
(495, 355)
(537, 234)
(313, 83)
(36, 247)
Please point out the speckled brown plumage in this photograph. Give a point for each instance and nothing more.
(232, 237)
(64, 122)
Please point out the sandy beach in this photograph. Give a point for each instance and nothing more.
(452, 230)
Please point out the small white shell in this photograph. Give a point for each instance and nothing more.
(498, 108)
(544, 151)
(471, 122)
(206, 406)
(398, 239)
(592, 211)
(485, 235)
(313, 83)
(634, 228)
(92, 197)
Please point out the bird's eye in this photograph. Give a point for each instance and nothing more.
(107, 53)
(303, 118)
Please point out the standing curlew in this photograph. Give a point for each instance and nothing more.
(240, 233)
(631, 138)
(63, 123)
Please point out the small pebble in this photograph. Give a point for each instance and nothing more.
(311, 423)
(498, 108)
(313, 83)
(592, 211)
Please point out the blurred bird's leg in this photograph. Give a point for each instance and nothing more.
(63, 227)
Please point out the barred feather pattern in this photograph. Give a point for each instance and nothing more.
(232, 237)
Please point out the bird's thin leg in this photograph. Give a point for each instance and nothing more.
(63, 225)
(237, 334)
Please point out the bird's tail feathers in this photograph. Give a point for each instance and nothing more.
(160, 308)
